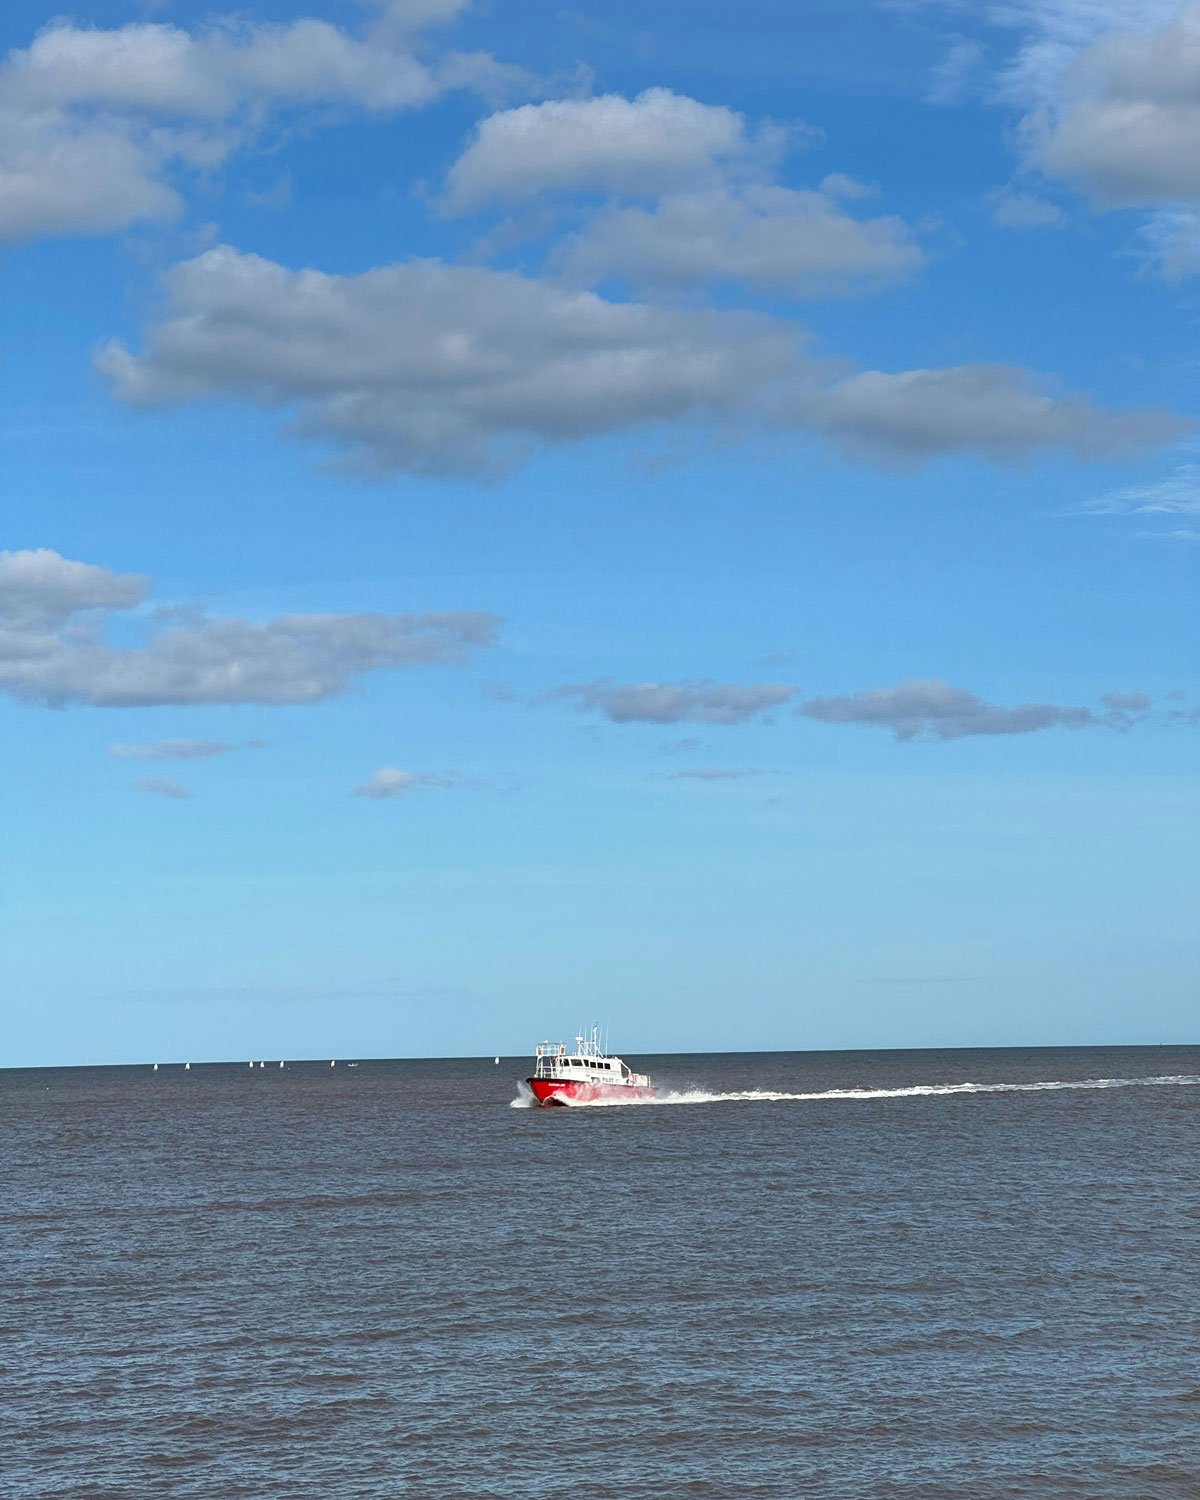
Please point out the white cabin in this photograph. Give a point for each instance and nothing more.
(589, 1063)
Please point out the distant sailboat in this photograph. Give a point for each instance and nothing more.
(281, 1062)
(497, 1062)
(156, 1067)
(187, 1067)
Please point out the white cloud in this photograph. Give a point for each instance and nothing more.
(1127, 122)
(1171, 238)
(53, 652)
(774, 239)
(39, 586)
(443, 369)
(165, 71)
(925, 708)
(1110, 96)
(674, 702)
(647, 145)
(95, 124)
(715, 215)
(436, 368)
(1176, 495)
(391, 782)
(1052, 34)
(997, 410)
(950, 78)
(60, 177)
(408, 17)
(172, 750)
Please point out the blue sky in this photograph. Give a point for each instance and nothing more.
(679, 514)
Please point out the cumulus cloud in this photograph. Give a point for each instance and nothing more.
(1110, 104)
(716, 216)
(96, 123)
(609, 144)
(57, 177)
(1127, 127)
(163, 786)
(391, 782)
(998, 410)
(774, 239)
(928, 709)
(62, 657)
(172, 750)
(675, 703)
(443, 369)
(40, 586)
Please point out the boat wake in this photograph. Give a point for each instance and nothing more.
(639, 1100)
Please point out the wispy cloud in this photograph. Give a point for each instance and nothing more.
(702, 702)
(1126, 703)
(172, 750)
(1176, 495)
(712, 773)
(949, 78)
(390, 782)
(1013, 209)
(163, 786)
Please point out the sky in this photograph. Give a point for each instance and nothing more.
(678, 515)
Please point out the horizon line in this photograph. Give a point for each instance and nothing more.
(349, 1057)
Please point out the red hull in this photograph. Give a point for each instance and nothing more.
(566, 1091)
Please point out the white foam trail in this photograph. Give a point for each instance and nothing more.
(916, 1090)
(524, 1099)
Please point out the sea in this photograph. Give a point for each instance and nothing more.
(967, 1274)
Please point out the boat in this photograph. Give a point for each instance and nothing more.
(589, 1075)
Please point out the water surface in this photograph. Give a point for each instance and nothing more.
(841, 1275)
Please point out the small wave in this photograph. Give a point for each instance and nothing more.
(910, 1091)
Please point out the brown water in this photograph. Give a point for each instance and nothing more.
(385, 1281)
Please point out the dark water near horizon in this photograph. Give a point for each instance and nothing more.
(384, 1281)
